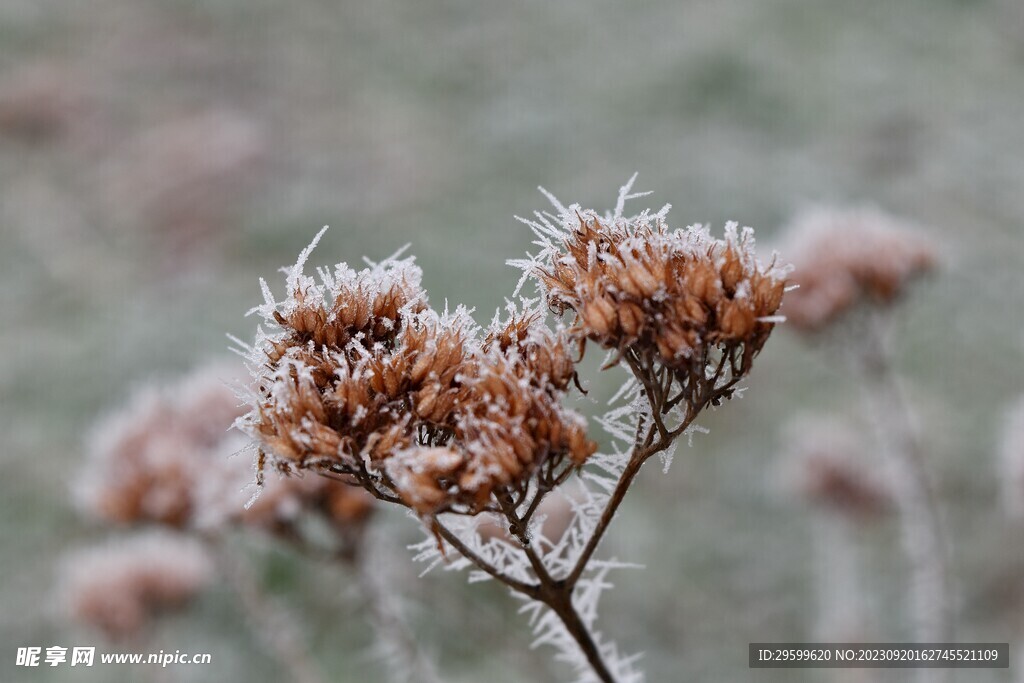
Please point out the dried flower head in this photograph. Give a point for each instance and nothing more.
(510, 423)
(826, 467)
(144, 461)
(425, 409)
(361, 378)
(119, 586)
(677, 298)
(169, 457)
(1011, 460)
(844, 258)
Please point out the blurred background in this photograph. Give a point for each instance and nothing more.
(158, 157)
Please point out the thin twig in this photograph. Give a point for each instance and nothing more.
(922, 528)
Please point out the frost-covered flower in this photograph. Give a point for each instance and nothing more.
(510, 424)
(360, 377)
(679, 297)
(843, 258)
(117, 587)
(355, 374)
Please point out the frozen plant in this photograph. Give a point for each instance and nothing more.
(168, 458)
(827, 465)
(852, 267)
(356, 376)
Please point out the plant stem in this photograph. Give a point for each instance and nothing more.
(557, 593)
(271, 622)
(560, 603)
(411, 664)
(922, 530)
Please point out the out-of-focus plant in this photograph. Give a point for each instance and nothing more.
(169, 460)
(120, 585)
(827, 467)
(356, 376)
(852, 269)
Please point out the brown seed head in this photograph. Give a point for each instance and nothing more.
(635, 285)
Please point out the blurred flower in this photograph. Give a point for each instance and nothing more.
(144, 461)
(843, 258)
(183, 178)
(169, 457)
(119, 586)
(826, 467)
(228, 485)
(1011, 460)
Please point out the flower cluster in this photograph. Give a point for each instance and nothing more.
(510, 424)
(660, 298)
(168, 458)
(843, 258)
(141, 461)
(360, 377)
(635, 283)
(356, 375)
(119, 586)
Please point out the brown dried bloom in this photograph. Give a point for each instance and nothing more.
(119, 586)
(510, 423)
(843, 258)
(424, 409)
(144, 462)
(677, 299)
(169, 457)
(361, 378)
(827, 468)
